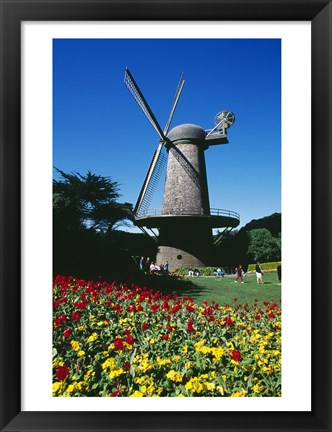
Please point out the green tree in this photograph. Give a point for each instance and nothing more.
(88, 202)
(263, 246)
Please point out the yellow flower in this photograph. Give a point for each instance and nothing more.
(217, 353)
(56, 387)
(109, 363)
(174, 376)
(75, 345)
(240, 393)
(81, 353)
(81, 328)
(194, 385)
(210, 386)
(230, 346)
(90, 373)
(93, 337)
(139, 380)
(162, 362)
(136, 394)
(70, 388)
(116, 372)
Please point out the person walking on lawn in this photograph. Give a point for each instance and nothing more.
(239, 274)
(259, 274)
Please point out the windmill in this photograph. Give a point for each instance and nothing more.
(183, 226)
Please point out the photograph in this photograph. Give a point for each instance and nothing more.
(167, 236)
(165, 214)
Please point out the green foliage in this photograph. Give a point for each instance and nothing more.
(262, 246)
(207, 271)
(266, 267)
(181, 271)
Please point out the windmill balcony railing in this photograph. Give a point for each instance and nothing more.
(189, 212)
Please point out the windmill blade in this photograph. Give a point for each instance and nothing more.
(150, 182)
(132, 86)
(175, 102)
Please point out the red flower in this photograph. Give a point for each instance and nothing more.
(165, 306)
(236, 355)
(168, 317)
(154, 308)
(176, 308)
(62, 372)
(127, 332)
(271, 315)
(67, 333)
(75, 316)
(235, 299)
(190, 327)
(129, 339)
(145, 326)
(257, 317)
(126, 365)
(169, 328)
(81, 305)
(228, 321)
(165, 337)
(189, 308)
(118, 344)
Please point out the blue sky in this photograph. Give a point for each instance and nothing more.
(98, 126)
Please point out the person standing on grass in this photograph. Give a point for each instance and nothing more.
(259, 274)
(165, 268)
(239, 274)
(279, 272)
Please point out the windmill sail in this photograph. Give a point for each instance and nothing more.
(139, 98)
(175, 102)
(158, 160)
(150, 182)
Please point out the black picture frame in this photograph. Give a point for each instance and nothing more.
(319, 13)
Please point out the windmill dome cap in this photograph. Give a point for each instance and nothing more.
(187, 131)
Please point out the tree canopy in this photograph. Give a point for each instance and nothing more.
(88, 202)
(262, 246)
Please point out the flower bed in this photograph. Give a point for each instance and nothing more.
(119, 340)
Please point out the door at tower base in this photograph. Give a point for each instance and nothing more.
(185, 246)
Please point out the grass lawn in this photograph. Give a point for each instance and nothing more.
(223, 290)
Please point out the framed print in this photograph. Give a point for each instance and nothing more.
(40, 42)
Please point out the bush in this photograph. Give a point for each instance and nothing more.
(204, 271)
(266, 267)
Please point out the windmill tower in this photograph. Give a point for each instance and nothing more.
(183, 226)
